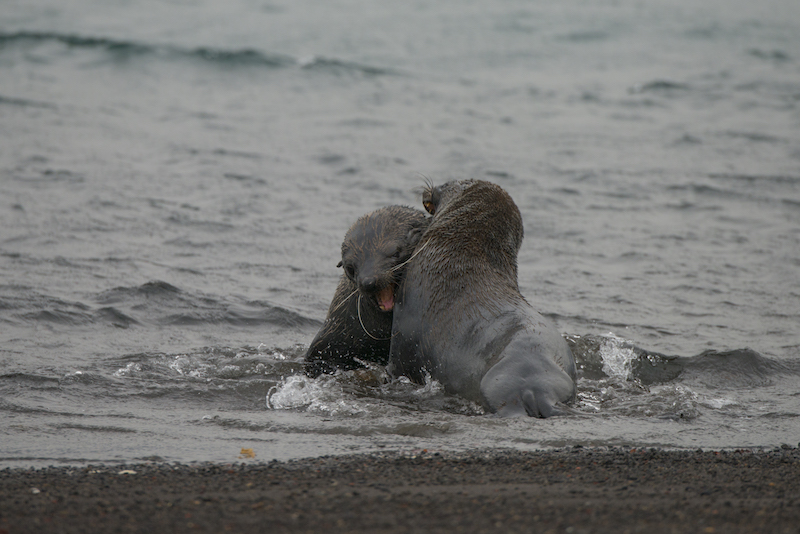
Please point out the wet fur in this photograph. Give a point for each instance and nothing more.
(459, 315)
(374, 253)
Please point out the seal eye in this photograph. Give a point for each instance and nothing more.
(429, 207)
(350, 271)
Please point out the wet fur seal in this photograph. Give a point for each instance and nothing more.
(459, 316)
(358, 325)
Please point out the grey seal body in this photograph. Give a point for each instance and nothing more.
(358, 325)
(460, 318)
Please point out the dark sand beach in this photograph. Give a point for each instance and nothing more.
(569, 490)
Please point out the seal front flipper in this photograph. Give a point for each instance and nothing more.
(527, 403)
(406, 355)
(527, 380)
(545, 408)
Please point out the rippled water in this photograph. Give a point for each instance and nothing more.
(176, 179)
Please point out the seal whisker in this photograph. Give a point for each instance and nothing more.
(344, 301)
(414, 255)
(427, 185)
(358, 307)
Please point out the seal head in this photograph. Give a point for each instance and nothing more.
(358, 326)
(375, 250)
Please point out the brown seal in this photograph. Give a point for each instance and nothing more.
(358, 326)
(460, 319)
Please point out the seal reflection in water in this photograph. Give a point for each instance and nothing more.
(358, 326)
(459, 315)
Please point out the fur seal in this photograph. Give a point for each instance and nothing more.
(358, 326)
(460, 318)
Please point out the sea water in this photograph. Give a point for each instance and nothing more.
(176, 178)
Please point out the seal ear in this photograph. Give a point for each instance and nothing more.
(339, 264)
(414, 235)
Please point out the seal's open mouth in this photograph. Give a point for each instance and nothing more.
(385, 298)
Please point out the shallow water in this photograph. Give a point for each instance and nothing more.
(176, 178)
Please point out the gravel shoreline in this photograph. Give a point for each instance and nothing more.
(571, 490)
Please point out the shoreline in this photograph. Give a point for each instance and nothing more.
(571, 490)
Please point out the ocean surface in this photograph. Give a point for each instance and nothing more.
(176, 178)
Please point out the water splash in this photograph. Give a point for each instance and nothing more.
(618, 355)
(320, 395)
(132, 369)
(192, 367)
(432, 387)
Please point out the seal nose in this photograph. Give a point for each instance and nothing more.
(368, 284)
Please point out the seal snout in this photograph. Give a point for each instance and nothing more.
(375, 288)
(368, 284)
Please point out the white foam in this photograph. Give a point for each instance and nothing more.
(431, 388)
(718, 403)
(322, 395)
(129, 370)
(269, 352)
(618, 356)
(185, 365)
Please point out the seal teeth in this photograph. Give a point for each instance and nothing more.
(385, 298)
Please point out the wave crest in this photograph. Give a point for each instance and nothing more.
(241, 57)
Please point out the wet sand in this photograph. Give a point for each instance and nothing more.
(571, 490)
